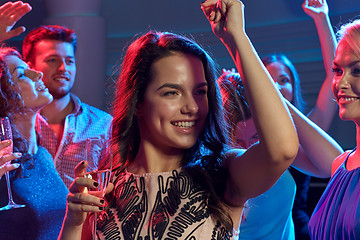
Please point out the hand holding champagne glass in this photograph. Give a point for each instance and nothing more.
(98, 150)
(6, 134)
(5, 159)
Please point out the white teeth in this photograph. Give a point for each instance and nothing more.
(184, 124)
(349, 98)
(60, 79)
(40, 88)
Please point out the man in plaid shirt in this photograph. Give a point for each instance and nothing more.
(66, 123)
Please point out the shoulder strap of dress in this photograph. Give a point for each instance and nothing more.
(340, 160)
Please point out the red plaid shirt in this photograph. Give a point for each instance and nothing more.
(85, 122)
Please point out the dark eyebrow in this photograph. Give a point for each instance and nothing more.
(170, 85)
(17, 68)
(284, 75)
(56, 55)
(179, 87)
(350, 65)
(203, 84)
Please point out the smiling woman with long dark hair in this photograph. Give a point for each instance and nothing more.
(174, 175)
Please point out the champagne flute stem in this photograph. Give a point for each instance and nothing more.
(94, 227)
(11, 201)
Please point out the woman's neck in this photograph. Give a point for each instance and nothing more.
(353, 160)
(357, 136)
(25, 124)
(150, 159)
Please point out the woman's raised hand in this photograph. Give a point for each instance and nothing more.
(225, 16)
(315, 7)
(5, 158)
(10, 13)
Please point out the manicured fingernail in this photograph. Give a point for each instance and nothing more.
(96, 184)
(18, 154)
(102, 201)
(16, 165)
(101, 208)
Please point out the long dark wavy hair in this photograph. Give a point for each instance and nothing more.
(11, 103)
(297, 99)
(204, 160)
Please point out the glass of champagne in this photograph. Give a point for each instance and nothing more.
(99, 158)
(6, 134)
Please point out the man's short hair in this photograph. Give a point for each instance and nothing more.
(46, 32)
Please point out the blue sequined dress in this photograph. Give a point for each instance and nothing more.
(337, 214)
(43, 192)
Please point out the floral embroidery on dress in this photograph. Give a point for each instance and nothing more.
(179, 209)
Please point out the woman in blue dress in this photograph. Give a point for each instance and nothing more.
(337, 214)
(10, 13)
(22, 95)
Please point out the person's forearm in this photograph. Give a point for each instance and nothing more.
(70, 231)
(319, 148)
(271, 116)
(327, 39)
(325, 109)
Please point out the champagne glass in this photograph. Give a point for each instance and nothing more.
(99, 158)
(6, 134)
